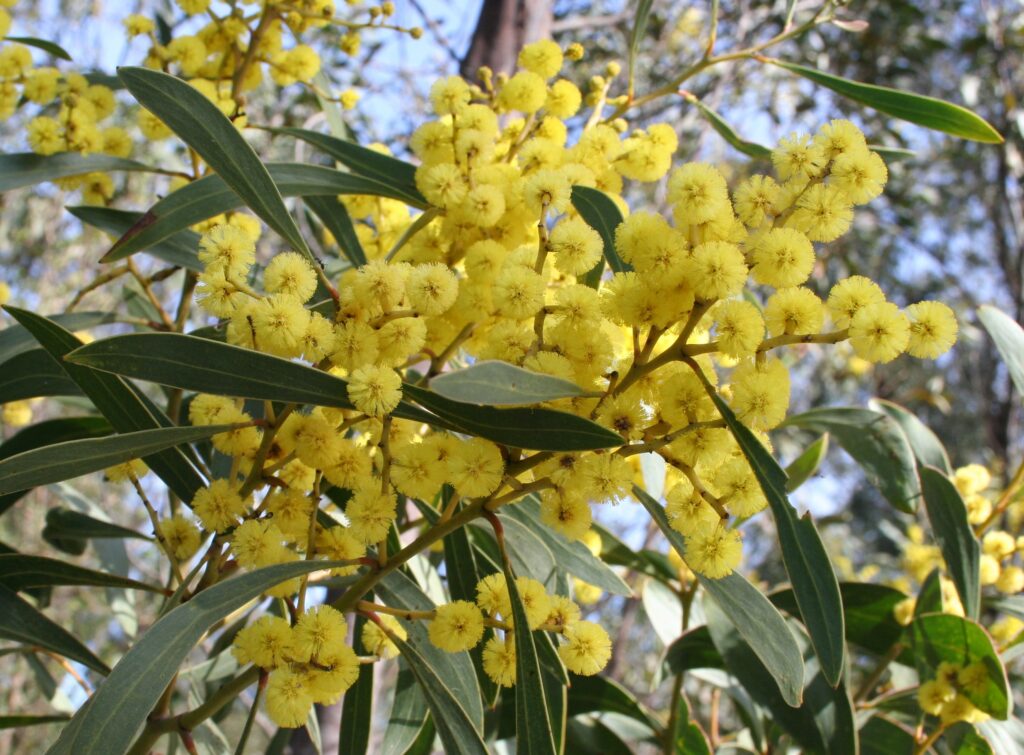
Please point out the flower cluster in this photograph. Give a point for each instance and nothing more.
(948, 694)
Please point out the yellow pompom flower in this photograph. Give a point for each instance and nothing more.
(219, 506)
(280, 323)
(755, 198)
(536, 602)
(376, 640)
(587, 650)
(187, 52)
(698, 193)
(135, 469)
(822, 212)
(525, 92)
(265, 643)
(860, 175)
(375, 391)
(563, 100)
(738, 489)
(761, 393)
(492, 595)
(456, 626)
(604, 477)
(432, 289)
(739, 327)
(499, 657)
(229, 248)
(449, 95)
(851, 295)
(191, 7)
(416, 471)
(518, 292)
(933, 329)
(289, 698)
(255, 541)
(714, 552)
(181, 536)
(136, 24)
(879, 332)
(290, 274)
(476, 467)
(794, 311)
(483, 206)
(797, 157)
(687, 511)
(577, 246)
(547, 189)
(317, 634)
(370, 514)
(716, 270)
(333, 675)
(783, 257)
(566, 513)
(543, 58)
(337, 544)
(45, 135)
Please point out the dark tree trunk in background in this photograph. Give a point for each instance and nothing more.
(505, 26)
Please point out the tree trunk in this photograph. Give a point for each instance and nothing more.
(503, 28)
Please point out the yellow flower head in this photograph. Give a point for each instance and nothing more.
(587, 649)
(456, 626)
(376, 391)
(219, 506)
(499, 657)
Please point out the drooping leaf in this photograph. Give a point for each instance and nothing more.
(28, 168)
(20, 571)
(74, 525)
(640, 19)
(42, 44)
(883, 736)
(21, 622)
(357, 708)
(533, 724)
(16, 722)
(877, 443)
(1009, 340)
(125, 408)
(942, 637)
(211, 196)
(73, 458)
(691, 650)
(335, 217)
(177, 249)
(803, 553)
(32, 374)
(758, 622)
(409, 713)
(960, 548)
(200, 124)
(727, 132)
(604, 216)
(366, 162)
(536, 429)
(16, 339)
(927, 447)
(598, 694)
(496, 383)
(119, 707)
(929, 112)
(803, 467)
(530, 556)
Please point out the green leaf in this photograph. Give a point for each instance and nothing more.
(74, 458)
(20, 571)
(65, 524)
(942, 637)
(21, 622)
(201, 125)
(1009, 340)
(688, 737)
(883, 736)
(32, 374)
(537, 429)
(366, 162)
(807, 563)
(43, 44)
(572, 556)
(751, 613)
(803, 467)
(877, 443)
(664, 610)
(587, 734)
(409, 712)
(927, 448)
(211, 196)
(16, 722)
(113, 715)
(177, 249)
(28, 169)
(727, 132)
(357, 707)
(125, 408)
(692, 649)
(496, 383)
(335, 218)
(640, 19)
(598, 694)
(960, 548)
(533, 725)
(530, 556)
(604, 216)
(962, 739)
(16, 339)
(929, 112)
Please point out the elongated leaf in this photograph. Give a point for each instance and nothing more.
(598, 694)
(74, 525)
(944, 637)
(929, 112)
(604, 216)
(533, 724)
(807, 563)
(537, 429)
(357, 708)
(728, 133)
(119, 707)
(28, 168)
(201, 125)
(1009, 339)
(42, 44)
(806, 464)
(365, 162)
(877, 443)
(126, 409)
(20, 571)
(178, 249)
(335, 218)
(409, 713)
(927, 447)
(758, 622)
(688, 737)
(496, 383)
(34, 373)
(883, 736)
(211, 196)
(16, 339)
(20, 622)
(573, 557)
(16, 722)
(530, 556)
(73, 458)
(692, 649)
(960, 548)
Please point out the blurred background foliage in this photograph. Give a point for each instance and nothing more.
(949, 226)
